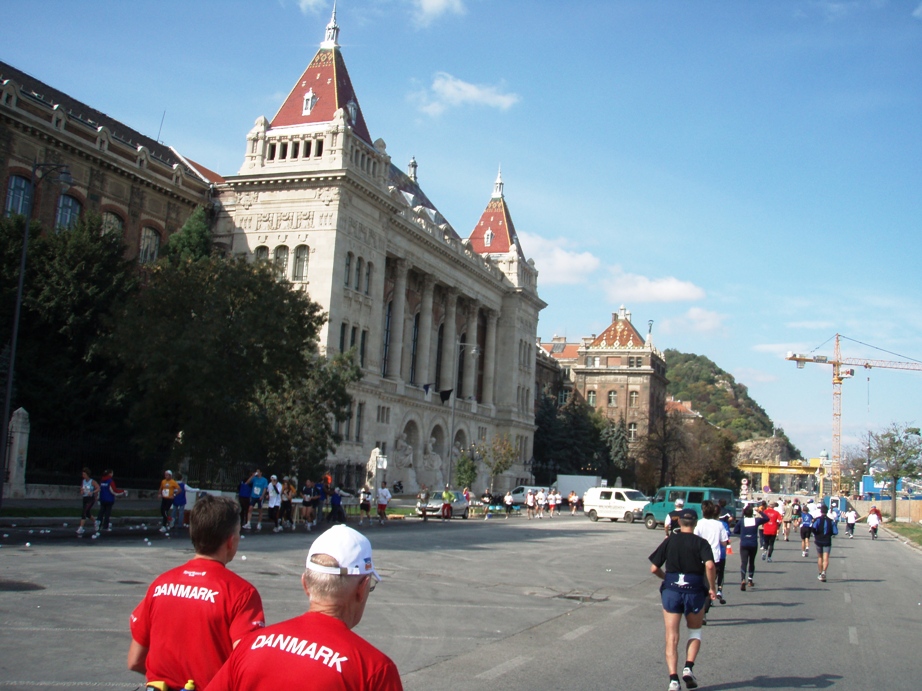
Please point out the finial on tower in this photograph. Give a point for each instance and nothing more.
(332, 35)
(498, 185)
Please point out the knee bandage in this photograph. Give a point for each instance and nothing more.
(694, 634)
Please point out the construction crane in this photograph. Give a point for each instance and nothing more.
(839, 374)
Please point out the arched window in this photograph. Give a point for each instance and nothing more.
(261, 253)
(112, 223)
(612, 399)
(18, 196)
(387, 336)
(347, 282)
(414, 348)
(633, 398)
(300, 268)
(69, 209)
(150, 245)
(367, 278)
(358, 273)
(281, 261)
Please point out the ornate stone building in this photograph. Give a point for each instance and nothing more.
(619, 373)
(142, 188)
(425, 310)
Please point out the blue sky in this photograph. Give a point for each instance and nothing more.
(748, 175)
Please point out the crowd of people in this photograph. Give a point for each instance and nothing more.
(691, 560)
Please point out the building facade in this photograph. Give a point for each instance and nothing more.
(618, 372)
(425, 310)
(141, 188)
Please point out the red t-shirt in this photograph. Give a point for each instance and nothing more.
(190, 618)
(314, 651)
(774, 518)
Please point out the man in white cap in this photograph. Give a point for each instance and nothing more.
(319, 645)
(672, 520)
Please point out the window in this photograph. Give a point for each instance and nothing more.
(310, 100)
(295, 149)
(307, 148)
(676, 494)
(359, 414)
(318, 148)
(112, 223)
(18, 196)
(612, 399)
(632, 432)
(488, 238)
(347, 429)
(281, 261)
(342, 337)
(271, 155)
(605, 496)
(367, 278)
(590, 398)
(353, 336)
(359, 265)
(347, 280)
(695, 497)
(439, 347)
(283, 151)
(150, 245)
(563, 397)
(362, 347)
(300, 268)
(68, 212)
(387, 336)
(633, 398)
(414, 348)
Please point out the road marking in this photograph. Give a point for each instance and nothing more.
(853, 635)
(623, 610)
(576, 633)
(507, 666)
(848, 597)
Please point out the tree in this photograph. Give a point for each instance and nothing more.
(221, 365)
(498, 456)
(466, 470)
(662, 450)
(895, 453)
(192, 241)
(621, 464)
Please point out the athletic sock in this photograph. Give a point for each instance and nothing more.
(673, 677)
(690, 665)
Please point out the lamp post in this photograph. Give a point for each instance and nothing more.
(454, 395)
(40, 172)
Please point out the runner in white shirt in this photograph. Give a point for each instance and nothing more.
(713, 530)
(384, 496)
(530, 504)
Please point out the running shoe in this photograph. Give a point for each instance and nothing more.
(80, 530)
(763, 555)
(689, 678)
(720, 597)
(751, 584)
(743, 586)
(769, 559)
(822, 577)
(675, 686)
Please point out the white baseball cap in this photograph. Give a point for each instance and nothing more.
(350, 549)
(679, 502)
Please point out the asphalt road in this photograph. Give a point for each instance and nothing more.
(517, 604)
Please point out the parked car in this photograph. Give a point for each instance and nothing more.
(614, 503)
(459, 507)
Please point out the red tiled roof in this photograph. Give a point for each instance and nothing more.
(621, 333)
(327, 77)
(204, 172)
(561, 351)
(497, 222)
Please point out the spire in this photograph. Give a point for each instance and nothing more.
(498, 185)
(332, 34)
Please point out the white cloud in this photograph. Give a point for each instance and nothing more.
(430, 10)
(557, 264)
(622, 287)
(748, 374)
(917, 13)
(312, 6)
(695, 319)
(448, 92)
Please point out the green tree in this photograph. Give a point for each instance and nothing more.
(466, 470)
(498, 456)
(895, 454)
(614, 434)
(220, 365)
(193, 241)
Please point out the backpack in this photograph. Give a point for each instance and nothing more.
(825, 526)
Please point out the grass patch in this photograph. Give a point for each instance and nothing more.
(910, 531)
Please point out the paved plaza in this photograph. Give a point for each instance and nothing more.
(558, 603)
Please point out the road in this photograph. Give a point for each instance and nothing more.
(517, 604)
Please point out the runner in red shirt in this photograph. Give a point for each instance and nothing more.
(318, 646)
(770, 530)
(193, 615)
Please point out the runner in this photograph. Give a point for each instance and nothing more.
(770, 531)
(89, 490)
(716, 534)
(787, 518)
(365, 504)
(851, 517)
(806, 530)
(688, 582)
(168, 489)
(508, 503)
(823, 530)
(384, 496)
(541, 501)
(874, 521)
(748, 530)
(672, 525)
(530, 504)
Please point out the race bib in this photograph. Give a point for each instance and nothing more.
(165, 493)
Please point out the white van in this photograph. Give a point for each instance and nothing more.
(614, 503)
(518, 494)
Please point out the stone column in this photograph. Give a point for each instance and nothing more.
(489, 362)
(424, 345)
(16, 458)
(449, 343)
(398, 321)
(470, 361)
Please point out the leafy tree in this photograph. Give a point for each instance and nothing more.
(662, 450)
(548, 440)
(220, 365)
(466, 470)
(192, 241)
(895, 453)
(621, 464)
(498, 456)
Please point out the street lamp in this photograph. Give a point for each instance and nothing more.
(40, 172)
(454, 394)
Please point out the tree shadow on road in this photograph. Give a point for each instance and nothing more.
(820, 681)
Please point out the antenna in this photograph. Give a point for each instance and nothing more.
(159, 141)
